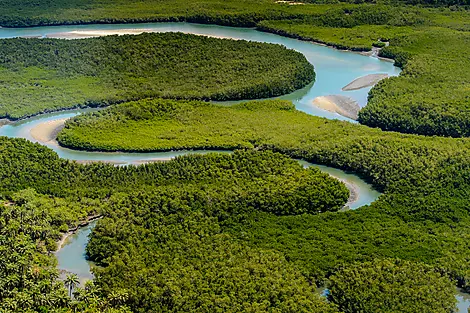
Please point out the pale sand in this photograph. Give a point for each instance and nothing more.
(47, 131)
(97, 33)
(338, 104)
(353, 194)
(290, 2)
(4, 121)
(365, 81)
(77, 34)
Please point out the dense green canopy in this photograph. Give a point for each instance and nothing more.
(383, 286)
(251, 231)
(40, 75)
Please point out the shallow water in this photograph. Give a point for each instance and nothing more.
(71, 257)
(463, 303)
(334, 68)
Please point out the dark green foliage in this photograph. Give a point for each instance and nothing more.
(383, 286)
(27, 275)
(57, 74)
(430, 96)
(173, 258)
(221, 226)
(29, 229)
(250, 179)
(159, 125)
(173, 223)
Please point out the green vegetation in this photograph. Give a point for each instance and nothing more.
(185, 200)
(423, 215)
(430, 96)
(40, 75)
(159, 125)
(423, 179)
(385, 286)
(182, 262)
(29, 228)
(242, 232)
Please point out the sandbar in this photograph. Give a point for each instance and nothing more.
(97, 33)
(364, 81)
(47, 131)
(342, 105)
(80, 34)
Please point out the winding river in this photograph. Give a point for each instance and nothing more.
(334, 70)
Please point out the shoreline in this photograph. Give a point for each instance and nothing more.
(82, 34)
(373, 52)
(353, 194)
(48, 131)
(61, 242)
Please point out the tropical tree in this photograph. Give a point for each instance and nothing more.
(388, 285)
(71, 281)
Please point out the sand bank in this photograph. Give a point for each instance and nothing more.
(78, 34)
(353, 194)
(342, 105)
(47, 131)
(4, 121)
(97, 33)
(365, 81)
(290, 2)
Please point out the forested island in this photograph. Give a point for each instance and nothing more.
(43, 75)
(251, 230)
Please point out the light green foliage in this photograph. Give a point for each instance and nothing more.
(156, 125)
(40, 75)
(431, 96)
(357, 38)
(383, 286)
(236, 232)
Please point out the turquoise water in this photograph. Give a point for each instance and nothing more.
(334, 68)
(71, 257)
(463, 302)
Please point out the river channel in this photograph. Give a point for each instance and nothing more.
(334, 69)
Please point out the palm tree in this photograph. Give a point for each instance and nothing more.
(117, 297)
(71, 281)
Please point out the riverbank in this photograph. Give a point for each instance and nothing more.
(342, 105)
(46, 132)
(353, 193)
(74, 230)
